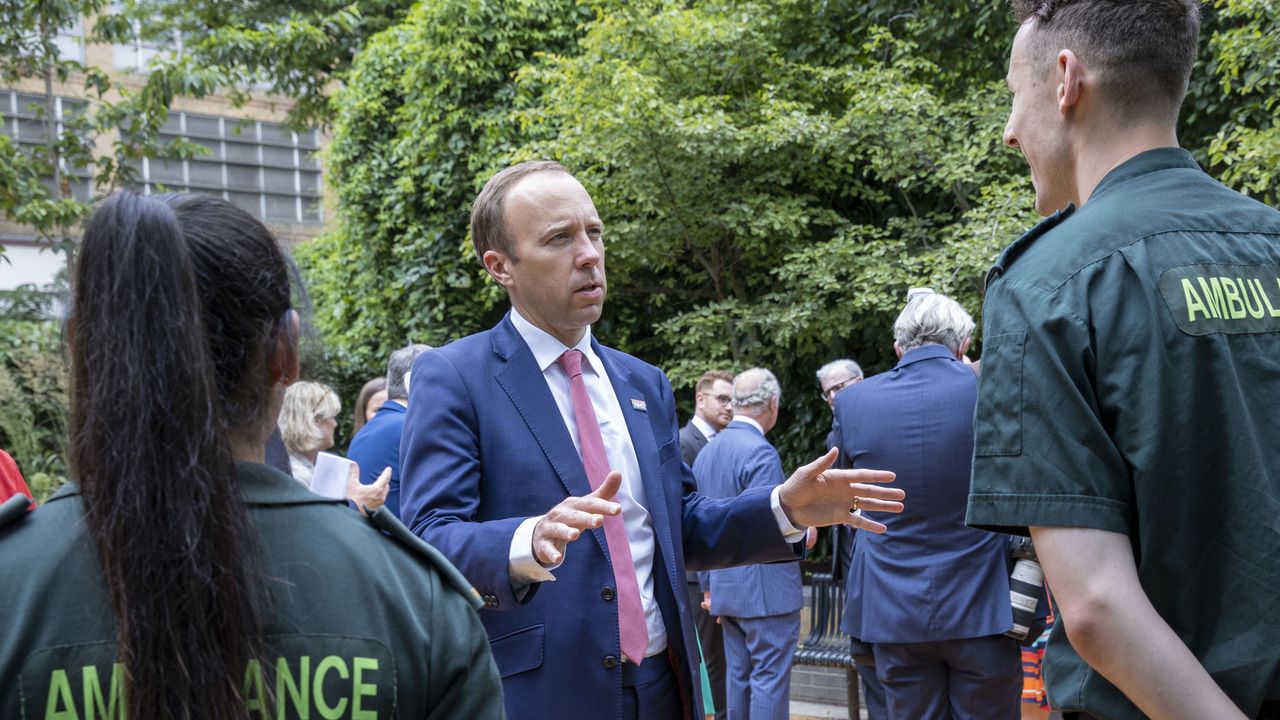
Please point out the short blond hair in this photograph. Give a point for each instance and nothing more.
(304, 403)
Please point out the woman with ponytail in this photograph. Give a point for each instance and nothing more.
(179, 577)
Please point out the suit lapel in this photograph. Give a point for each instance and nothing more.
(524, 383)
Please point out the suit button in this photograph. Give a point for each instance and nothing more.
(610, 662)
(607, 593)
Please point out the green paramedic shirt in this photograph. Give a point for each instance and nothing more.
(1131, 383)
(367, 627)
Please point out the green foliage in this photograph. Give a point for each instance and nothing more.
(1246, 50)
(33, 393)
(768, 206)
(434, 96)
(296, 49)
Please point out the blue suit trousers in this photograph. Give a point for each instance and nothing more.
(758, 653)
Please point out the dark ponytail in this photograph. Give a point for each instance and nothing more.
(177, 302)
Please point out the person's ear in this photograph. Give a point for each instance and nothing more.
(283, 365)
(1070, 73)
(897, 349)
(498, 265)
(964, 349)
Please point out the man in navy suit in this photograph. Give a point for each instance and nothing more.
(933, 601)
(758, 605)
(377, 445)
(832, 378)
(534, 454)
(712, 411)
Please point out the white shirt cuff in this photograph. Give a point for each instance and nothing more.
(524, 568)
(790, 533)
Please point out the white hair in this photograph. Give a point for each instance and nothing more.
(849, 366)
(932, 318)
(753, 389)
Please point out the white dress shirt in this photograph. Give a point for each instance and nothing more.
(524, 567)
(704, 427)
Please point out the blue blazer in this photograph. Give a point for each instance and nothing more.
(741, 459)
(485, 447)
(377, 446)
(928, 577)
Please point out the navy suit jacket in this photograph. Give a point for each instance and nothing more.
(485, 448)
(741, 459)
(928, 577)
(377, 446)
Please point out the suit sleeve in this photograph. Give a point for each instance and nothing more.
(441, 481)
(722, 533)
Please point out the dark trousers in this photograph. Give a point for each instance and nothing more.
(872, 693)
(711, 637)
(972, 679)
(650, 690)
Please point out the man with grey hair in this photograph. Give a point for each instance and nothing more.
(377, 445)
(939, 647)
(758, 605)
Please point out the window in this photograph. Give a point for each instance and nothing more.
(70, 41)
(23, 120)
(262, 167)
(134, 56)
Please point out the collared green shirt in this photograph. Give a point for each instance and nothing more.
(1131, 383)
(365, 626)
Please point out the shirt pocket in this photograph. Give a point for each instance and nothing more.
(997, 424)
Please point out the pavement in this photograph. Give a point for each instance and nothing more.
(801, 710)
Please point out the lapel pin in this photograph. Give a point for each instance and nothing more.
(638, 404)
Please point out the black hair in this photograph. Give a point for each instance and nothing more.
(178, 302)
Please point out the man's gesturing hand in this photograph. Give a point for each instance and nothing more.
(817, 495)
(565, 522)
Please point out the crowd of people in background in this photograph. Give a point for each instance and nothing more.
(526, 530)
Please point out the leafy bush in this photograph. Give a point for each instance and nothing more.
(34, 386)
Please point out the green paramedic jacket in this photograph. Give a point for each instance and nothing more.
(367, 624)
(1131, 383)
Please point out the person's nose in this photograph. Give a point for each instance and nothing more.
(1010, 139)
(590, 253)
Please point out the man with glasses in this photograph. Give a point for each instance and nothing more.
(832, 378)
(713, 409)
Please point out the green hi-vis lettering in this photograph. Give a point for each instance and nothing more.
(61, 704)
(1232, 299)
(297, 690)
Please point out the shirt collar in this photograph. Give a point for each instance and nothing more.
(547, 349)
(749, 421)
(704, 427)
(1148, 161)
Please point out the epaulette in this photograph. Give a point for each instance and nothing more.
(385, 520)
(14, 509)
(1019, 246)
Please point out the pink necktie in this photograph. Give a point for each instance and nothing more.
(634, 633)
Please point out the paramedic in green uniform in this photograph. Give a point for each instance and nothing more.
(1129, 409)
(179, 577)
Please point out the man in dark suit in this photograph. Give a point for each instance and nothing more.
(832, 378)
(712, 410)
(758, 605)
(933, 603)
(377, 445)
(533, 453)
